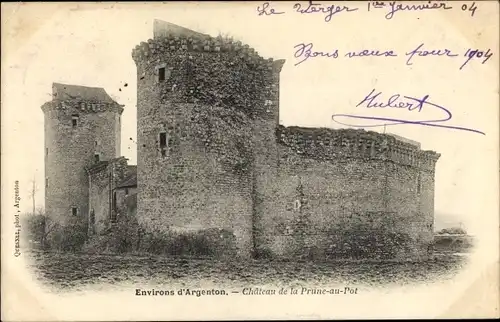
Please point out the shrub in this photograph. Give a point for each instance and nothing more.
(360, 242)
(69, 237)
(453, 231)
(443, 243)
(36, 230)
(211, 242)
(40, 229)
(119, 237)
(126, 235)
(262, 253)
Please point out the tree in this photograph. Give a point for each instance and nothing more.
(32, 193)
(40, 226)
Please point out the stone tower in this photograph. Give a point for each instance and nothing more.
(82, 128)
(200, 101)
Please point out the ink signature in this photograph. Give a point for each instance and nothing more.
(373, 100)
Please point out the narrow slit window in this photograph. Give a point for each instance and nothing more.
(161, 74)
(114, 200)
(92, 222)
(74, 119)
(74, 211)
(46, 151)
(46, 182)
(97, 157)
(113, 210)
(163, 143)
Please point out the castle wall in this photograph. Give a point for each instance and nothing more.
(265, 157)
(427, 190)
(126, 201)
(69, 150)
(100, 201)
(203, 179)
(104, 177)
(314, 200)
(348, 194)
(405, 202)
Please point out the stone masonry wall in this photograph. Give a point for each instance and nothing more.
(126, 199)
(69, 150)
(206, 106)
(314, 200)
(349, 194)
(265, 160)
(427, 187)
(99, 201)
(103, 179)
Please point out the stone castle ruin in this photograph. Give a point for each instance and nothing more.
(212, 156)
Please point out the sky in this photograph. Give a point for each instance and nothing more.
(90, 45)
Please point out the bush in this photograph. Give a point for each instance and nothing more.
(69, 237)
(443, 243)
(211, 242)
(263, 253)
(359, 242)
(453, 231)
(41, 229)
(119, 237)
(36, 230)
(127, 236)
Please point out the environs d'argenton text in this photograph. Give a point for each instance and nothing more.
(247, 291)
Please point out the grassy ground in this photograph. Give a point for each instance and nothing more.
(77, 271)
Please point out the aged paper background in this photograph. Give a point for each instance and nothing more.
(90, 44)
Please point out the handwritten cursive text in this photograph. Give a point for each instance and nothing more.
(305, 51)
(389, 8)
(374, 100)
(395, 7)
(421, 52)
(319, 8)
(266, 10)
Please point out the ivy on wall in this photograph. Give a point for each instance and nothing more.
(228, 93)
(226, 133)
(230, 82)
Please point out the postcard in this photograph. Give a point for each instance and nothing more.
(250, 160)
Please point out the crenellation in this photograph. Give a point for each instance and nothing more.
(331, 144)
(186, 45)
(82, 106)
